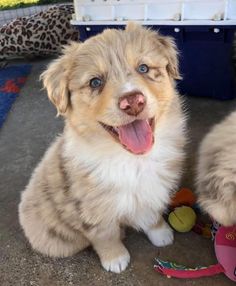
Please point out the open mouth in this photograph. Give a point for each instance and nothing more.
(137, 136)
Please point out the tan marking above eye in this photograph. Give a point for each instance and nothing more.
(154, 74)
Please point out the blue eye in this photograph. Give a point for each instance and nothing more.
(143, 68)
(95, 82)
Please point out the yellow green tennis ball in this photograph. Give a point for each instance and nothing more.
(182, 219)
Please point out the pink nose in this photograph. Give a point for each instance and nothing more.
(132, 103)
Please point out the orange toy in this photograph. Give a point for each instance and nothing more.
(184, 197)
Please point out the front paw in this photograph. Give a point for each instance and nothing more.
(161, 236)
(117, 264)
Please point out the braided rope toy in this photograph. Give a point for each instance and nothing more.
(225, 249)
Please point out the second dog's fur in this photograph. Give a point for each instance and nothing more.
(121, 151)
(216, 172)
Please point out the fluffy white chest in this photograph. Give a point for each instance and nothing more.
(140, 188)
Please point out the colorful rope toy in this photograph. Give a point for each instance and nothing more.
(225, 249)
(182, 218)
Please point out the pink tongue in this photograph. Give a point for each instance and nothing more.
(136, 136)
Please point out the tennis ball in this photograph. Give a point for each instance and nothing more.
(182, 219)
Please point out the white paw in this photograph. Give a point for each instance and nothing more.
(161, 236)
(118, 264)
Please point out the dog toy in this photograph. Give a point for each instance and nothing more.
(204, 229)
(182, 216)
(184, 197)
(225, 249)
(182, 219)
(186, 219)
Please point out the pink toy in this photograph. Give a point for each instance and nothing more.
(225, 249)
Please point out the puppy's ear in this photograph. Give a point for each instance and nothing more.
(171, 53)
(56, 79)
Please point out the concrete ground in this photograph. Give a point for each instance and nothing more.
(26, 134)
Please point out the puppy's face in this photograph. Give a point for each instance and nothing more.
(116, 85)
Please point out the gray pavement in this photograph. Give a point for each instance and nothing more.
(24, 137)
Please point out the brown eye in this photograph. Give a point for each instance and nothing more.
(95, 82)
(143, 68)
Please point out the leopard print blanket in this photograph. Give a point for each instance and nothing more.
(41, 34)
